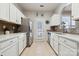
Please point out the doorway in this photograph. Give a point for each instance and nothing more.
(39, 30)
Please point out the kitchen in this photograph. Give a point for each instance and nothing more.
(39, 29)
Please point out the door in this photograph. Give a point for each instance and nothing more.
(39, 32)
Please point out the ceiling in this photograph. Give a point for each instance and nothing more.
(36, 6)
(68, 8)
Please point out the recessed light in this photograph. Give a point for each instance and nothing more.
(41, 5)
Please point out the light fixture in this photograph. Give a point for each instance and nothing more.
(41, 5)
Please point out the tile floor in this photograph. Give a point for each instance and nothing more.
(39, 49)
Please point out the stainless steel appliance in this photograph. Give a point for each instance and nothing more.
(27, 27)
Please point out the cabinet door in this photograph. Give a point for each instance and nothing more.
(75, 10)
(55, 43)
(24, 41)
(12, 13)
(51, 42)
(4, 11)
(18, 17)
(12, 51)
(51, 39)
(20, 45)
(66, 51)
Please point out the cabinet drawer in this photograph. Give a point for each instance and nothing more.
(68, 42)
(64, 50)
(61, 39)
(7, 43)
(10, 50)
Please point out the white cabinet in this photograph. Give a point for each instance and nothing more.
(55, 20)
(10, 47)
(22, 42)
(12, 13)
(75, 11)
(65, 50)
(11, 51)
(67, 47)
(20, 45)
(13, 46)
(18, 16)
(51, 42)
(55, 43)
(9, 12)
(51, 39)
(4, 11)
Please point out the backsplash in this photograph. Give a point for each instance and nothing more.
(8, 26)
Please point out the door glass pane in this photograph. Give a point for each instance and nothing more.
(40, 29)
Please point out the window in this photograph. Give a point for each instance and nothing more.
(68, 22)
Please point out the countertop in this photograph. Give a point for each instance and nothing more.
(9, 36)
(73, 37)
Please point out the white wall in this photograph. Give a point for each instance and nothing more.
(35, 19)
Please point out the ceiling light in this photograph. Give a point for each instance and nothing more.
(41, 5)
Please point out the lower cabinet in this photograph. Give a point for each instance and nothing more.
(64, 46)
(51, 39)
(20, 45)
(11, 49)
(51, 42)
(22, 42)
(66, 51)
(13, 46)
(67, 47)
(55, 43)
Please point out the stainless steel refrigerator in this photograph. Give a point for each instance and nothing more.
(27, 27)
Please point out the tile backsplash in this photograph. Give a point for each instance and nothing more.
(9, 26)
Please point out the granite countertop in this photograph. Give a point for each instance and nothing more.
(73, 37)
(70, 36)
(9, 36)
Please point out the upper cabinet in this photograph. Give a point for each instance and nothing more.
(55, 20)
(4, 11)
(9, 12)
(18, 16)
(12, 13)
(75, 11)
